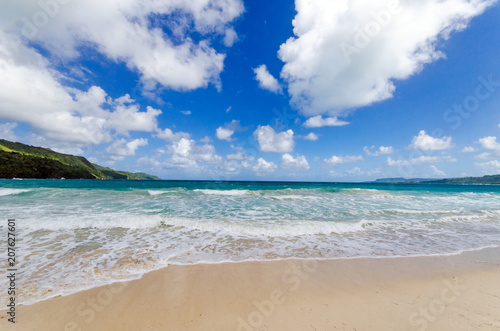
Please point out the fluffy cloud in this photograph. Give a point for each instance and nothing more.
(264, 166)
(121, 148)
(125, 119)
(230, 37)
(491, 144)
(382, 150)
(186, 154)
(169, 135)
(270, 141)
(437, 172)
(266, 80)
(319, 122)
(30, 92)
(347, 54)
(225, 132)
(311, 136)
(418, 160)
(7, 131)
(122, 31)
(489, 168)
(468, 149)
(290, 163)
(335, 160)
(425, 142)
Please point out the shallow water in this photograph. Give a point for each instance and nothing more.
(76, 234)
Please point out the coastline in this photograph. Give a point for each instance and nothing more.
(451, 292)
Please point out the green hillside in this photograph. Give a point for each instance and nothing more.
(23, 161)
(492, 179)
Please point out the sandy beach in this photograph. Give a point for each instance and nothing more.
(458, 292)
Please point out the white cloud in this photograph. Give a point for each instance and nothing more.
(7, 131)
(169, 135)
(122, 31)
(125, 119)
(382, 150)
(489, 168)
(425, 142)
(319, 121)
(266, 80)
(264, 166)
(186, 154)
(354, 172)
(186, 112)
(311, 136)
(468, 149)
(121, 148)
(418, 160)
(491, 144)
(270, 141)
(297, 164)
(323, 78)
(225, 132)
(437, 172)
(205, 140)
(30, 92)
(230, 37)
(335, 160)
(238, 156)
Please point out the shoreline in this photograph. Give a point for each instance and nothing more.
(304, 294)
(205, 263)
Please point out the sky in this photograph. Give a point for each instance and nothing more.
(311, 90)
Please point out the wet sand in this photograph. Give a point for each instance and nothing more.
(458, 292)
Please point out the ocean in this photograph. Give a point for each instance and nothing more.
(77, 234)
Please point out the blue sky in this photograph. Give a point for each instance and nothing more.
(227, 89)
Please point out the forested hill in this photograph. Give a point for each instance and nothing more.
(493, 179)
(23, 161)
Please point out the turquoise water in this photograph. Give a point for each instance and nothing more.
(76, 234)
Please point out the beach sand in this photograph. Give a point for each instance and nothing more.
(458, 292)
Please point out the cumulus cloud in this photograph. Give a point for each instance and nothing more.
(264, 166)
(347, 54)
(297, 164)
(382, 150)
(437, 172)
(186, 154)
(270, 141)
(31, 92)
(418, 160)
(491, 144)
(225, 132)
(311, 136)
(489, 168)
(468, 149)
(121, 148)
(335, 160)
(266, 80)
(7, 131)
(122, 31)
(425, 142)
(169, 135)
(186, 112)
(319, 122)
(230, 37)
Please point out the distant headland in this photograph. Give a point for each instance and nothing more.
(23, 161)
